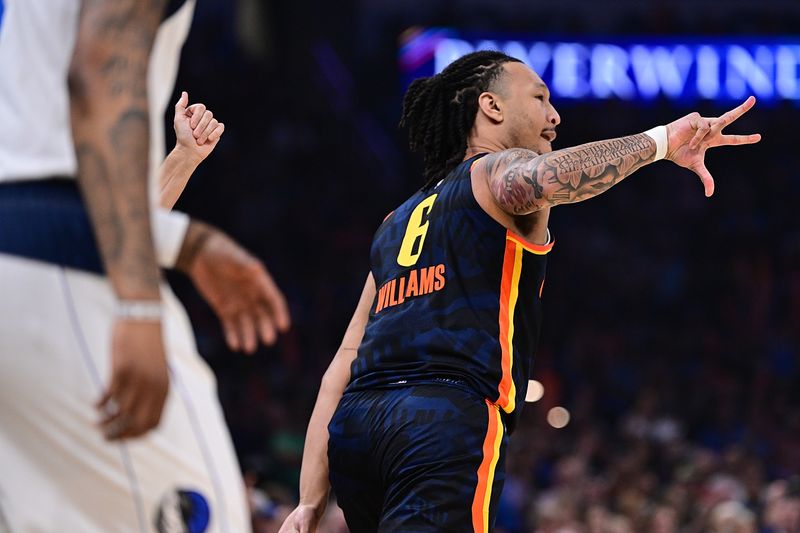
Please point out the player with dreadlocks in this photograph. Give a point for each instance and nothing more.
(411, 423)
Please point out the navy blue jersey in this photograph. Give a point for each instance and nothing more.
(459, 298)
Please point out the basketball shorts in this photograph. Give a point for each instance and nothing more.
(57, 472)
(413, 459)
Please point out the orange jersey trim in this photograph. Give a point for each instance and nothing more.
(509, 291)
(491, 453)
(538, 249)
(472, 166)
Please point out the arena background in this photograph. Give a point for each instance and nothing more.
(670, 331)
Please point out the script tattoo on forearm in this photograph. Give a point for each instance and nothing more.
(108, 100)
(523, 181)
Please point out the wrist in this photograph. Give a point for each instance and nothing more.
(169, 235)
(197, 235)
(140, 288)
(659, 135)
(315, 498)
(316, 506)
(139, 310)
(186, 156)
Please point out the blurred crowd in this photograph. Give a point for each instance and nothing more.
(670, 320)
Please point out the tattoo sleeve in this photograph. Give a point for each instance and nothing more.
(108, 100)
(523, 182)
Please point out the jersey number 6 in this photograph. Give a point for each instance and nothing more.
(415, 233)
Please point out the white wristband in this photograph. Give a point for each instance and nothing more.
(659, 135)
(169, 230)
(139, 310)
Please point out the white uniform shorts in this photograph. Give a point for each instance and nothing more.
(57, 473)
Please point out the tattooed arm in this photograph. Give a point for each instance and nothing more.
(110, 127)
(523, 182)
(108, 99)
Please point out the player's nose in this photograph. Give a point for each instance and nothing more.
(553, 117)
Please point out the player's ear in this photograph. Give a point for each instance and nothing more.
(490, 106)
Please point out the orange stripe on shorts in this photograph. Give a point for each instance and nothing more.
(491, 452)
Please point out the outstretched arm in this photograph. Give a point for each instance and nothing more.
(197, 133)
(314, 484)
(522, 181)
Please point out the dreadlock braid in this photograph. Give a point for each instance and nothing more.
(439, 111)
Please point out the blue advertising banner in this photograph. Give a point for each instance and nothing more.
(633, 69)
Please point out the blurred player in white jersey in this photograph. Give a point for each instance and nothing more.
(109, 419)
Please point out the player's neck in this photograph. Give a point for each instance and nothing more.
(482, 145)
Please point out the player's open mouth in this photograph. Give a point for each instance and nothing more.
(549, 135)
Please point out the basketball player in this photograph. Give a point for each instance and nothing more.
(84, 315)
(411, 423)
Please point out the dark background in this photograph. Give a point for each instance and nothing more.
(671, 321)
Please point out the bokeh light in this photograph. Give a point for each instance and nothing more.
(558, 417)
(535, 391)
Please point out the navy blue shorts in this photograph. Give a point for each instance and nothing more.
(420, 458)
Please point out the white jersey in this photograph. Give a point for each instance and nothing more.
(37, 39)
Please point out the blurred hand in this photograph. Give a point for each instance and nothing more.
(196, 129)
(304, 519)
(236, 285)
(689, 138)
(133, 402)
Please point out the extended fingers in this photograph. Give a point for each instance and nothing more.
(247, 332)
(737, 111)
(231, 333)
(736, 140)
(266, 325)
(274, 300)
(714, 136)
(269, 310)
(240, 332)
(705, 177)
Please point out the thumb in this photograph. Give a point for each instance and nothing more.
(183, 101)
(705, 177)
